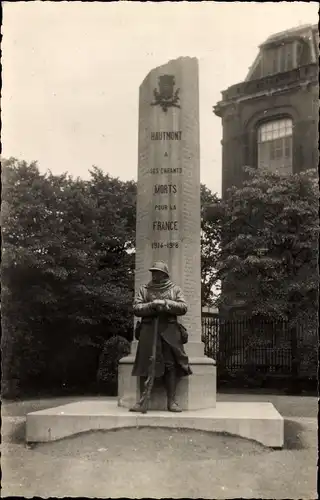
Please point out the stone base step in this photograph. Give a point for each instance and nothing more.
(255, 420)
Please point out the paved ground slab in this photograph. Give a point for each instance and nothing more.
(287, 405)
(259, 421)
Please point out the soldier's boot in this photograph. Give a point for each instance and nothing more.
(171, 384)
(137, 407)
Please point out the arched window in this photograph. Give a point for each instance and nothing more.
(275, 146)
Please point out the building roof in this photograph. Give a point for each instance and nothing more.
(309, 32)
(303, 30)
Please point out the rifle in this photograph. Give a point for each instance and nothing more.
(145, 398)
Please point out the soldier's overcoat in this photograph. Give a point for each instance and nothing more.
(168, 331)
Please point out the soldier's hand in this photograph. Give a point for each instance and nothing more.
(159, 302)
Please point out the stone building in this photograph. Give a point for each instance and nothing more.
(271, 119)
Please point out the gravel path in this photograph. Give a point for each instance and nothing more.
(162, 463)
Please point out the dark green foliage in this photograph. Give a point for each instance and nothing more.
(67, 278)
(269, 259)
(113, 350)
(210, 248)
(268, 263)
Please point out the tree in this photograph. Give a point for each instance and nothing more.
(113, 350)
(269, 257)
(210, 247)
(66, 273)
(31, 276)
(112, 233)
(269, 260)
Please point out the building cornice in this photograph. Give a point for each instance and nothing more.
(271, 85)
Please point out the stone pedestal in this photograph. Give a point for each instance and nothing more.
(195, 392)
(258, 421)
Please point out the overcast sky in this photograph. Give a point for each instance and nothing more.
(72, 70)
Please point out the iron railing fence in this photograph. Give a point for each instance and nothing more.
(260, 346)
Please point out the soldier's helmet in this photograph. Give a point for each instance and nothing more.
(160, 266)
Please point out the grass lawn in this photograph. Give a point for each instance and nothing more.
(162, 463)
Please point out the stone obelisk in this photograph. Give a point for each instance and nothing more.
(168, 216)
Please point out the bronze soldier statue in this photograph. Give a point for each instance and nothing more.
(163, 299)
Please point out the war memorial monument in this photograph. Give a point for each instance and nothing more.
(168, 230)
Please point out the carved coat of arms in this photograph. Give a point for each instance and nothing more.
(166, 97)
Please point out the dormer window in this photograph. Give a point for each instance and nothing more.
(278, 58)
(285, 51)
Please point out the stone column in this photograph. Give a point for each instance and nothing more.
(168, 215)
